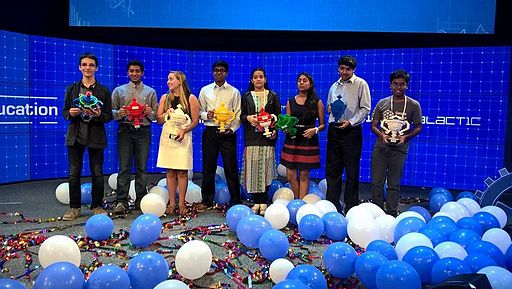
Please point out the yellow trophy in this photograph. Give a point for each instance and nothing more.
(222, 116)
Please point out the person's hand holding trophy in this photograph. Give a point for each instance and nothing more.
(176, 120)
(222, 116)
(265, 122)
(394, 127)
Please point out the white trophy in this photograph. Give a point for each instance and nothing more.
(177, 120)
(394, 126)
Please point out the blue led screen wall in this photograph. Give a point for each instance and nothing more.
(417, 16)
(463, 92)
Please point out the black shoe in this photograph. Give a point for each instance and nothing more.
(121, 209)
(392, 213)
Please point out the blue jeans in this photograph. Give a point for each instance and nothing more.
(75, 161)
(132, 145)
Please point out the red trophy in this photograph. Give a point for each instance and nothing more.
(265, 122)
(135, 112)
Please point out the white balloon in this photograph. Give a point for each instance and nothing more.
(162, 182)
(450, 249)
(279, 269)
(325, 207)
(281, 170)
(112, 181)
(171, 284)
(311, 198)
(277, 215)
(456, 209)
(374, 209)
(131, 191)
(386, 225)
(411, 240)
(62, 193)
(408, 214)
(445, 214)
(193, 259)
(358, 212)
(193, 194)
(153, 204)
(59, 248)
(363, 231)
(282, 202)
(161, 191)
(220, 172)
(307, 209)
(283, 193)
(471, 205)
(500, 278)
(498, 213)
(498, 237)
(190, 174)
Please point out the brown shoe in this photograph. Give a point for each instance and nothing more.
(256, 208)
(263, 209)
(203, 207)
(99, 211)
(171, 210)
(121, 209)
(183, 211)
(72, 214)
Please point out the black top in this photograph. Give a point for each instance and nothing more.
(273, 106)
(307, 115)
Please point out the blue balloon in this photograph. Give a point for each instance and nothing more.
(313, 184)
(335, 226)
(145, 230)
(384, 248)
(6, 283)
(274, 186)
(437, 201)
(422, 259)
(235, 214)
(308, 275)
(486, 220)
(399, 274)
(147, 269)
(466, 194)
(488, 249)
(434, 235)
(219, 179)
(508, 258)
(222, 196)
(60, 275)
(316, 191)
(443, 224)
(422, 211)
(274, 244)
(407, 225)
(85, 191)
(438, 190)
(99, 227)
(464, 237)
(448, 267)
(250, 229)
(109, 277)
(293, 206)
(477, 261)
(287, 185)
(340, 259)
(311, 227)
(367, 265)
(471, 224)
(290, 284)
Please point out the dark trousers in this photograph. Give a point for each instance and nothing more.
(75, 161)
(344, 147)
(132, 145)
(387, 163)
(212, 144)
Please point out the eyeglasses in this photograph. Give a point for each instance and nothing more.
(220, 70)
(396, 84)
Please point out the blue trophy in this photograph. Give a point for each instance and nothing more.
(87, 101)
(338, 108)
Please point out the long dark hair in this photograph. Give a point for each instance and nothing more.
(251, 85)
(311, 97)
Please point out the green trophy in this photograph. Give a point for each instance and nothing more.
(287, 123)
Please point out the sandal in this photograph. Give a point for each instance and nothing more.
(183, 211)
(263, 208)
(170, 210)
(256, 208)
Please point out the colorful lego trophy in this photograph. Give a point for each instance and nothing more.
(135, 112)
(287, 123)
(394, 126)
(177, 120)
(338, 108)
(87, 101)
(222, 116)
(266, 121)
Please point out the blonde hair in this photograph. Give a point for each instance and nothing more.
(183, 91)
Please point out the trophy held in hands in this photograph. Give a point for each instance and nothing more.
(287, 123)
(338, 108)
(265, 122)
(87, 101)
(176, 120)
(394, 126)
(222, 116)
(135, 112)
